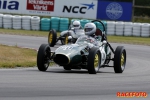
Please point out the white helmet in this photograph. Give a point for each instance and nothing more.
(90, 28)
(76, 24)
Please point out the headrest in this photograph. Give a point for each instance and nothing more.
(98, 32)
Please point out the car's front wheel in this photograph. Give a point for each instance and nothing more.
(43, 57)
(94, 60)
(119, 59)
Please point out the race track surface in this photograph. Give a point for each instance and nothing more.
(58, 84)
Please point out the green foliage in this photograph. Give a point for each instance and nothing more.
(142, 2)
(142, 20)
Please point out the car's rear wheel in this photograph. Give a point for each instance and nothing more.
(52, 36)
(94, 60)
(64, 39)
(119, 59)
(43, 57)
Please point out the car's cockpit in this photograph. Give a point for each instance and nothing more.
(87, 39)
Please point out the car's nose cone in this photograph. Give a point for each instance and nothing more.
(61, 59)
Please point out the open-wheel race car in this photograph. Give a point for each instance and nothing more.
(72, 31)
(86, 53)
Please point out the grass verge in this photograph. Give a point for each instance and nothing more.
(24, 32)
(13, 56)
(115, 39)
(129, 40)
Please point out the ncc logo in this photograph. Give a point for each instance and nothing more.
(78, 9)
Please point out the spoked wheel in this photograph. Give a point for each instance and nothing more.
(94, 60)
(64, 40)
(52, 38)
(119, 59)
(43, 57)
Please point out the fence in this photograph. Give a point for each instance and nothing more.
(60, 24)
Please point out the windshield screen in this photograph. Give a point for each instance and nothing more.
(86, 39)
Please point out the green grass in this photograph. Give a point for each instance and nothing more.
(129, 40)
(142, 20)
(13, 56)
(24, 32)
(115, 39)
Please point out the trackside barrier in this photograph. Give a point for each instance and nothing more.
(145, 30)
(7, 21)
(60, 24)
(84, 21)
(26, 22)
(1, 20)
(64, 24)
(128, 28)
(45, 24)
(136, 29)
(72, 20)
(110, 28)
(119, 28)
(16, 21)
(100, 25)
(55, 23)
(35, 23)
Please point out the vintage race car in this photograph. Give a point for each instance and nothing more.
(75, 34)
(86, 53)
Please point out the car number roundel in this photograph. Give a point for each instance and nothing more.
(67, 47)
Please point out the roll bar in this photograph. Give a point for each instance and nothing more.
(99, 22)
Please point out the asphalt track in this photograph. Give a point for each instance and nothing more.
(57, 84)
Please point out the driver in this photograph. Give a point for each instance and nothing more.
(90, 30)
(76, 25)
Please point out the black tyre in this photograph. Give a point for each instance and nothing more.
(94, 60)
(43, 57)
(66, 68)
(52, 37)
(64, 39)
(119, 59)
